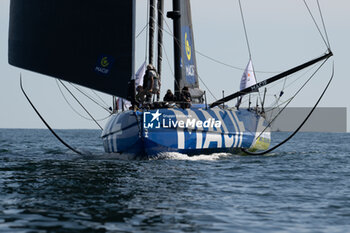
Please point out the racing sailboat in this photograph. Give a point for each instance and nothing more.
(92, 43)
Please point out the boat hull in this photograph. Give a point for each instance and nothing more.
(191, 131)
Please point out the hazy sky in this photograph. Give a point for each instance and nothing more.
(281, 35)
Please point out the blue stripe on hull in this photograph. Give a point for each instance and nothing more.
(191, 131)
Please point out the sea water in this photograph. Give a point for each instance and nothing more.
(304, 186)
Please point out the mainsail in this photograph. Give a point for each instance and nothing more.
(188, 61)
(185, 56)
(87, 42)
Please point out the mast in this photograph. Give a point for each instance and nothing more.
(152, 7)
(175, 15)
(160, 37)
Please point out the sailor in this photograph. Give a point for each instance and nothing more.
(169, 96)
(148, 82)
(140, 95)
(156, 86)
(185, 98)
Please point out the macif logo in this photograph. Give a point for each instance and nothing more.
(187, 47)
(104, 64)
(151, 120)
(189, 60)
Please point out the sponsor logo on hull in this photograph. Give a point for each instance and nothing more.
(198, 129)
(158, 120)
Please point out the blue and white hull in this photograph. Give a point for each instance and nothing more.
(190, 131)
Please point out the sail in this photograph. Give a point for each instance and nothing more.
(248, 78)
(87, 42)
(123, 104)
(139, 75)
(188, 55)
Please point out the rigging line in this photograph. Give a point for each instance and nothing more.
(245, 29)
(276, 103)
(100, 104)
(178, 44)
(261, 101)
(272, 79)
(318, 28)
(169, 33)
(292, 83)
(81, 105)
(284, 84)
(168, 61)
(300, 77)
(219, 62)
(141, 31)
(211, 93)
(291, 76)
(206, 86)
(166, 55)
(323, 23)
(289, 101)
(46, 124)
(170, 67)
(233, 67)
(164, 50)
(167, 25)
(248, 45)
(301, 125)
(102, 100)
(89, 97)
(302, 87)
(146, 47)
(223, 63)
(213, 59)
(269, 109)
(64, 97)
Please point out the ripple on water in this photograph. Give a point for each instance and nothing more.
(296, 188)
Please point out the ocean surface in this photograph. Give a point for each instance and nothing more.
(304, 186)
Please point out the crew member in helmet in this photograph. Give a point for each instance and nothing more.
(149, 80)
(169, 96)
(185, 98)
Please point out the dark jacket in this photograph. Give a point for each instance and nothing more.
(185, 99)
(169, 97)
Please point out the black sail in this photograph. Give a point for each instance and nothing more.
(87, 42)
(188, 55)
